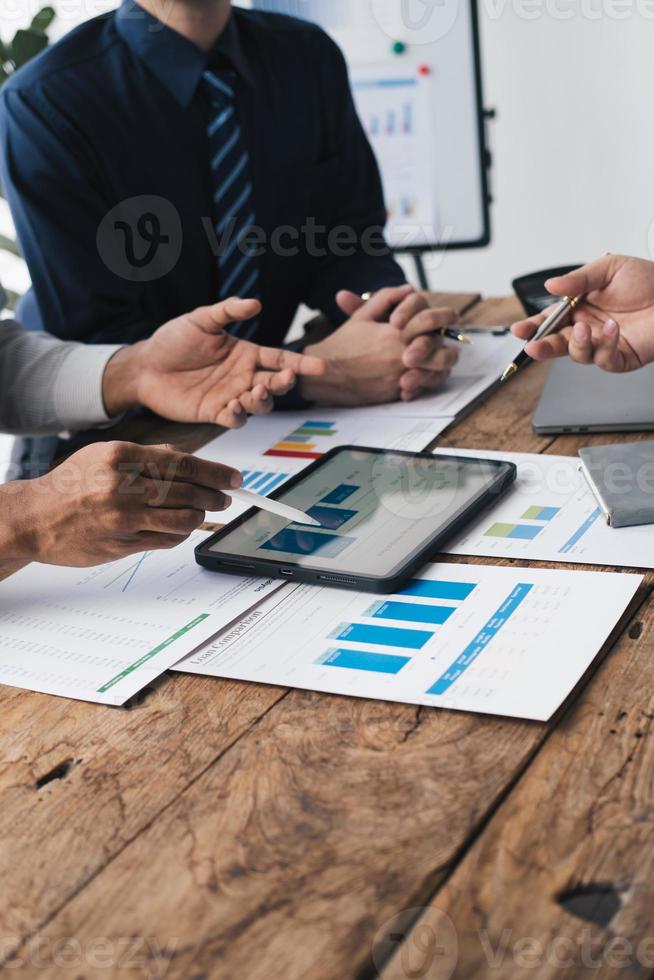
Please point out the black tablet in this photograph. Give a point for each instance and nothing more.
(383, 513)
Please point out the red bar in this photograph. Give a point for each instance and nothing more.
(288, 455)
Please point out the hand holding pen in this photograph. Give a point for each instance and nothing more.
(613, 325)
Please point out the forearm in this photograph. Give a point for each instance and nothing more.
(47, 385)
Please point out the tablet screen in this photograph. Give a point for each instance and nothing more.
(376, 509)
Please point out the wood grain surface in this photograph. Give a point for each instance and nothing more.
(217, 829)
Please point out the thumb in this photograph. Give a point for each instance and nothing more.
(590, 278)
(213, 319)
(348, 302)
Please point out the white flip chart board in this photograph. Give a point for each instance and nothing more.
(416, 79)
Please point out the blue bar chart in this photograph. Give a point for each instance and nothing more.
(301, 542)
(263, 482)
(387, 636)
(379, 663)
(411, 612)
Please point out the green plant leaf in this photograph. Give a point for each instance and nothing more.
(41, 22)
(26, 44)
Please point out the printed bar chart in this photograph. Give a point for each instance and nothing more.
(411, 612)
(517, 532)
(541, 513)
(378, 663)
(305, 442)
(428, 589)
(262, 482)
(388, 636)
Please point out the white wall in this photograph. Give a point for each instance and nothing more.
(573, 142)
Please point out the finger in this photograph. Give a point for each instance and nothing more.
(183, 496)
(348, 302)
(580, 346)
(428, 322)
(258, 401)
(413, 304)
(167, 464)
(277, 383)
(589, 279)
(413, 386)
(231, 416)
(276, 359)
(525, 329)
(383, 303)
(607, 356)
(418, 378)
(213, 319)
(556, 345)
(431, 354)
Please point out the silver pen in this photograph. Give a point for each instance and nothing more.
(554, 321)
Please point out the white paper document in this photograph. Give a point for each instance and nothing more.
(500, 641)
(480, 367)
(269, 450)
(102, 634)
(550, 514)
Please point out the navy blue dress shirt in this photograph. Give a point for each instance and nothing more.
(106, 168)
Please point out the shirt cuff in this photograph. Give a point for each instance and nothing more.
(77, 394)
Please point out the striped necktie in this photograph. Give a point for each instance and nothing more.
(233, 196)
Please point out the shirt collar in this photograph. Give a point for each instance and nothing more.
(174, 60)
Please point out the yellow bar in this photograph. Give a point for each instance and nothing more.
(296, 447)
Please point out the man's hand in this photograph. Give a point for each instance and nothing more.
(386, 350)
(110, 500)
(191, 370)
(613, 328)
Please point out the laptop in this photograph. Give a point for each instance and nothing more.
(580, 398)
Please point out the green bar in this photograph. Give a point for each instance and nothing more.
(533, 514)
(313, 432)
(500, 531)
(152, 653)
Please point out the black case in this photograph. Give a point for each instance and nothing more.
(234, 565)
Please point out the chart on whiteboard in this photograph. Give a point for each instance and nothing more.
(396, 107)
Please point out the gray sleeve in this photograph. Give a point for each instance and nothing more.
(47, 385)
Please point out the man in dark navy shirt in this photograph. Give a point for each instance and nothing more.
(116, 175)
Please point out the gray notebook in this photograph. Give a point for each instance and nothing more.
(622, 479)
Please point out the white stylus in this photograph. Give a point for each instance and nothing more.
(273, 507)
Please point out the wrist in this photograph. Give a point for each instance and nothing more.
(120, 382)
(18, 522)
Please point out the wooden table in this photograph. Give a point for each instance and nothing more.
(221, 829)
